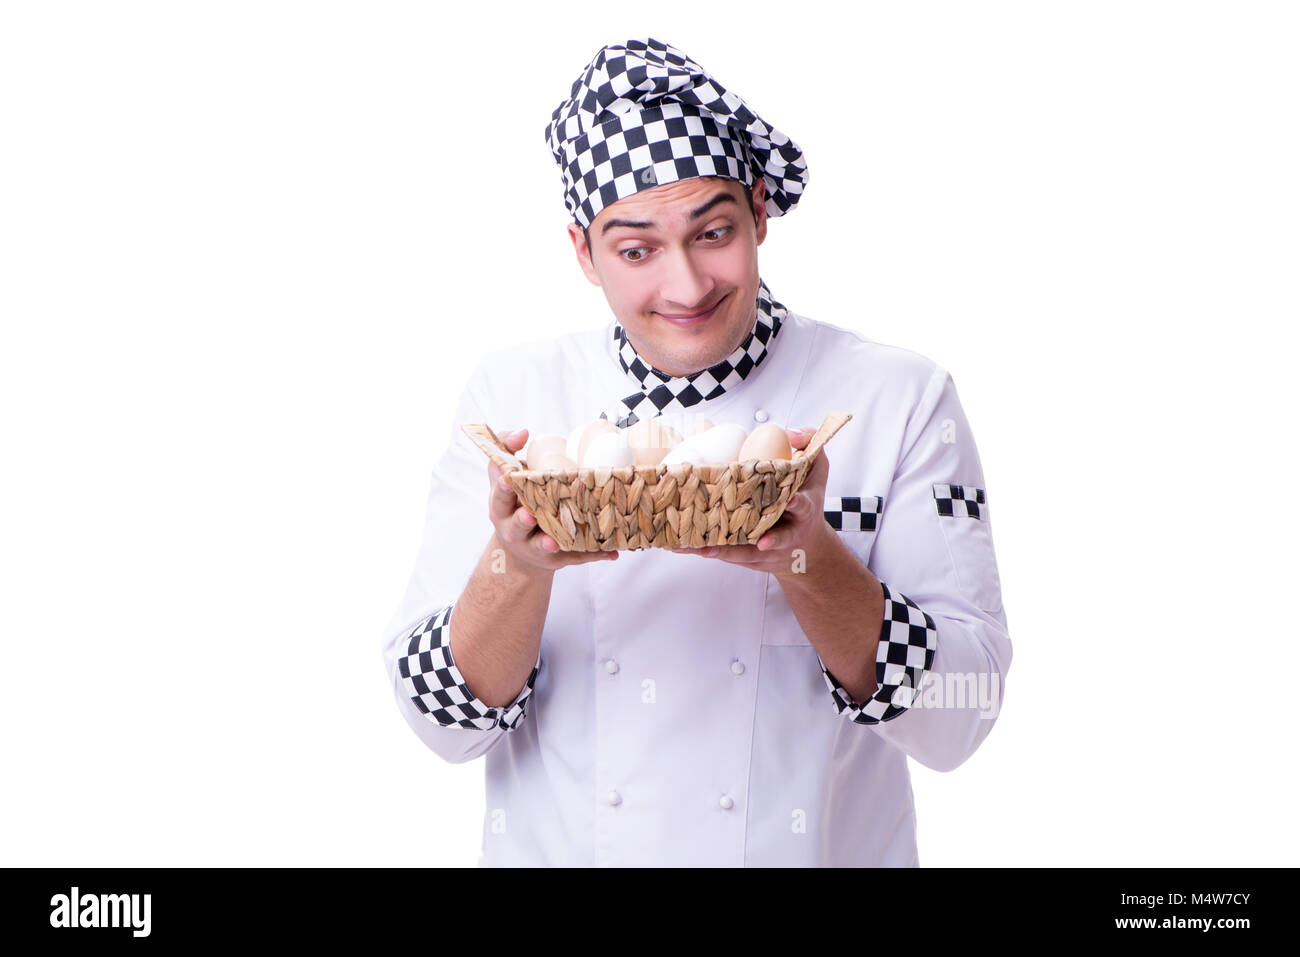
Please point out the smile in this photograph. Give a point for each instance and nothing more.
(695, 319)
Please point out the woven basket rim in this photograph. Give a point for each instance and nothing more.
(633, 502)
(652, 469)
(492, 446)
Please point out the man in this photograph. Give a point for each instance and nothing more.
(736, 705)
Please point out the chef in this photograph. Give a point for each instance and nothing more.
(745, 705)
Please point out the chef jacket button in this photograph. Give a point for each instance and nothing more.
(611, 666)
(726, 803)
(760, 416)
(614, 798)
(737, 667)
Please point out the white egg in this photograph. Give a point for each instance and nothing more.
(721, 443)
(571, 446)
(594, 429)
(608, 449)
(684, 452)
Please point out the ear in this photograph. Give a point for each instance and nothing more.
(584, 254)
(759, 200)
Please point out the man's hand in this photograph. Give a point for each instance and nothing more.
(516, 528)
(801, 526)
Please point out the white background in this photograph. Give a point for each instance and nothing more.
(249, 251)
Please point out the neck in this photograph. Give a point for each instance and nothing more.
(666, 370)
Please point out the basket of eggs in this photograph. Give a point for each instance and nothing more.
(603, 488)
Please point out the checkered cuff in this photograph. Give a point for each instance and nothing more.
(438, 688)
(908, 639)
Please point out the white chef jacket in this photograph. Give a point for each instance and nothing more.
(677, 713)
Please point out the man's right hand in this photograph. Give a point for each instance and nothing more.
(516, 527)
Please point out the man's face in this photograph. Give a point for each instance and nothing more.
(667, 254)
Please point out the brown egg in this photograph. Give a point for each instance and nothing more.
(555, 462)
(649, 457)
(767, 441)
(544, 446)
(701, 426)
(651, 439)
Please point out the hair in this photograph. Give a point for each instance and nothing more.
(748, 189)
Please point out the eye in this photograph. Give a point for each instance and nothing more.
(639, 250)
(720, 230)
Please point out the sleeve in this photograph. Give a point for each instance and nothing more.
(437, 688)
(944, 646)
(431, 692)
(904, 655)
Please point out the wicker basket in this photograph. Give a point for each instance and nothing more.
(659, 506)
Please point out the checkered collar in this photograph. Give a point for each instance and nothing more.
(658, 392)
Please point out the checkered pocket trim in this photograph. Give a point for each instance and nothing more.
(908, 639)
(853, 513)
(438, 688)
(958, 500)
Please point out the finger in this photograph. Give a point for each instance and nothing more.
(735, 554)
(774, 539)
(551, 554)
(796, 513)
(799, 438)
(520, 527)
(582, 558)
(515, 440)
(524, 519)
(502, 500)
(741, 555)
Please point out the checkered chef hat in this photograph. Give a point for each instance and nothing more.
(643, 114)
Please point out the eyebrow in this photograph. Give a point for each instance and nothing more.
(696, 214)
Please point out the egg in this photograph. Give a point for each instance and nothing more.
(650, 457)
(653, 433)
(556, 462)
(684, 452)
(673, 425)
(651, 439)
(593, 429)
(544, 446)
(607, 449)
(571, 445)
(767, 441)
(720, 444)
(701, 426)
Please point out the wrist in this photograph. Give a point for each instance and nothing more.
(818, 552)
(519, 573)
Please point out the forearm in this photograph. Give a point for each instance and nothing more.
(496, 626)
(840, 606)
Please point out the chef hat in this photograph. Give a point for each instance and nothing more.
(643, 114)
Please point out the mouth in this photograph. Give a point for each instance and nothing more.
(693, 320)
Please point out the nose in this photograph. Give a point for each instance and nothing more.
(686, 288)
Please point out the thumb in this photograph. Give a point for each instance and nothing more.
(515, 440)
(799, 437)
